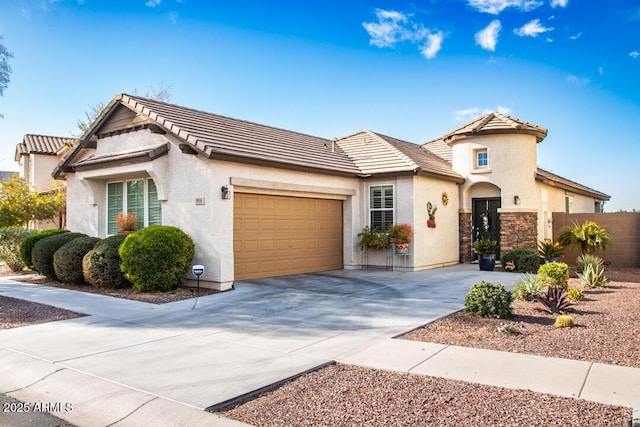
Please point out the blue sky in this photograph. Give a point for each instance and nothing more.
(409, 69)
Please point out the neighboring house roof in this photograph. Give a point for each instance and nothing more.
(7, 175)
(42, 144)
(549, 178)
(440, 149)
(375, 153)
(220, 137)
(495, 123)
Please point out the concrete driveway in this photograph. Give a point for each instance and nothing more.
(211, 350)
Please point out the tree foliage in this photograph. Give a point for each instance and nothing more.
(5, 68)
(19, 205)
(589, 237)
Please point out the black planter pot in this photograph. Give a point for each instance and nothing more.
(548, 260)
(487, 262)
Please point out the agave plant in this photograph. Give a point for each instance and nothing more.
(554, 300)
(589, 237)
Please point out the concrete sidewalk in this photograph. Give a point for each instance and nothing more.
(132, 363)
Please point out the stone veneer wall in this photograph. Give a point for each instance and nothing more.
(464, 228)
(518, 230)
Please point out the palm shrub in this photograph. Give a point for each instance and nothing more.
(44, 250)
(101, 265)
(528, 287)
(554, 274)
(525, 260)
(488, 300)
(589, 237)
(26, 247)
(157, 258)
(67, 261)
(10, 240)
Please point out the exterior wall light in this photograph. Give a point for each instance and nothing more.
(516, 200)
(226, 193)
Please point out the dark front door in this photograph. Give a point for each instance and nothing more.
(486, 221)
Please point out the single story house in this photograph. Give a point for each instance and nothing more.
(260, 201)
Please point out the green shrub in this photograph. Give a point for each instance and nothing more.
(101, 265)
(488, 300)
(583, 260)
(575, 294)
(157, 258)
(67, 261)
(27, 245)
(554, 274)
(10, 240)
(528, 288)
(525, 260)
(593, 277)
(44, 249)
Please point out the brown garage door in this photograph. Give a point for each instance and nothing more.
(278, 235)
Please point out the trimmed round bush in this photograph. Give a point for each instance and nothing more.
(67, 261)
(157, 258)
(525, 260)
(554, 274)
(26, 247)
(488, 300)
(101, 265)
(43, 251)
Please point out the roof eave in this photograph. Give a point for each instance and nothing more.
(582, 191)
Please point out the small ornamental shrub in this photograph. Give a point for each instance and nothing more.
(28, 243)
(554, 300)
(67, 261)
(488, 300)
(593, 277)
(157, 258)
(101, 265)
(584, 260)
(43, 251)
(575, 294)
(554, 274)
(528, 288)
(11, 239)
(127, 221)
(525, 260)
(512, 328)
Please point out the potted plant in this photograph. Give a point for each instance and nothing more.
(549, 251)
(431, 211)
(373, 238)
(126, 222)
(401, 235)
(486, 250)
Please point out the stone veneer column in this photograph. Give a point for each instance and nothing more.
(518, 230)
(464, 231)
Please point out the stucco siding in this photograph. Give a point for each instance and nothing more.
(553, 199)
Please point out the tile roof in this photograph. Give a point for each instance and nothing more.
(120, 158)
(558, 181)
(496, 123)
(220, 136)
(42, 144)
(440, 149)
(375, 153)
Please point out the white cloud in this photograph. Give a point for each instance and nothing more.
(601, 71)
(532, 28)
(153, 3)
(559, 3)
(578, 81)
(475, 112)
(576, 36)
(433, 45)
(635, 54)
(494, 7)
(488, 37)
(173, 17)
(396, 27)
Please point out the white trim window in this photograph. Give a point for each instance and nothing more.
(482, 158)
(381, 206)
(568, 204)
(134, 195)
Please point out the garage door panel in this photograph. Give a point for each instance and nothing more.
(278, 235)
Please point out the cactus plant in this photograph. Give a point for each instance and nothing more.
(564, 321)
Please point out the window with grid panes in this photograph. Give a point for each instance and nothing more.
(136, 195)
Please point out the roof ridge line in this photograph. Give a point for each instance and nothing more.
(403, 156)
